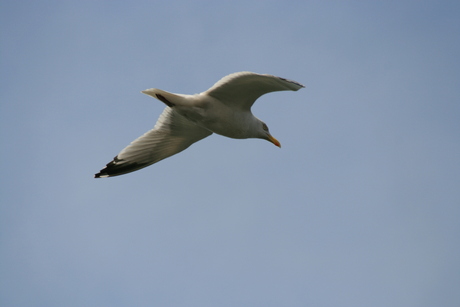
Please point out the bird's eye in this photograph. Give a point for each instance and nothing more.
(264, 127)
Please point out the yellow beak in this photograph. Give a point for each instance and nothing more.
(274, 141)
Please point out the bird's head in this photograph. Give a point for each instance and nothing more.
(264, 133)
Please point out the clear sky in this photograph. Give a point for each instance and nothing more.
(360, 206)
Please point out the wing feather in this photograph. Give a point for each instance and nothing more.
(172, 134)
(243, 88)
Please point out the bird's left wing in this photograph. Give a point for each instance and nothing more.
(242, 89)
(172, 134)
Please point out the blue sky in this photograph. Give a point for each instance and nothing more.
(360, 207)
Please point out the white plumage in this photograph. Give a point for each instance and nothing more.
(224, 109)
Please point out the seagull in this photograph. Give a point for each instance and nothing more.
(223, 109)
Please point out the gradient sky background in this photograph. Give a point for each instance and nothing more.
(360, 207)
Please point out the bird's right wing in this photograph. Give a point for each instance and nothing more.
(172, 134)
(242, 89)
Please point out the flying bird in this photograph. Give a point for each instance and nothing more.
(224, 109)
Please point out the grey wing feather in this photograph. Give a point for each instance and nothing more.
(172, 134)
(243, 88)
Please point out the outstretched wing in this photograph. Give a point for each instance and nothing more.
(172, 134)
(243, 88)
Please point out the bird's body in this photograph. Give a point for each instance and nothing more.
(224, 109)
(210, 113)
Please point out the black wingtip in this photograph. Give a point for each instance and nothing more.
(105, 172)
(102, 173)
(114, 168)
(292, 81)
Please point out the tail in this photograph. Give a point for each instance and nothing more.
(167, 98)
